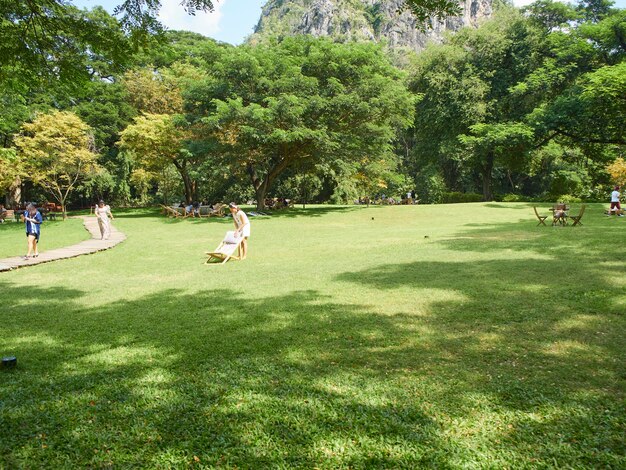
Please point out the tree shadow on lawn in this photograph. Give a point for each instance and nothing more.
(520, 366)
(312, 211)
(236, 381)
(536, 334)
(295, 380)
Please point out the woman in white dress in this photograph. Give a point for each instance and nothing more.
(103, 213)
(242, 227)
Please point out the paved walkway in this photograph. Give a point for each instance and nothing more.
(82, 248)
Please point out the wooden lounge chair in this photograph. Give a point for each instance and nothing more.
(224, 251)
(542, 218)
(576, 218)
(217, 211)
(174, 212)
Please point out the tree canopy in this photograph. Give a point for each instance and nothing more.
(528, 104)
(301, 101)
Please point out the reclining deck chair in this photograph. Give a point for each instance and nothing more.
(226, 249)
(176, 212)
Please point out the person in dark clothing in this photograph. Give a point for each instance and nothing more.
(33, 220)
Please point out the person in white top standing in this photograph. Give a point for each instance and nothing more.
(615, 206)
(242, 227)
(103, 212)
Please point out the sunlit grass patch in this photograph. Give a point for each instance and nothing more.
(493, 343)
(54, 234)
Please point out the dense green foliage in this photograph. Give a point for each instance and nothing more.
(301, 102)
(529, 102)
(529, 105)
(493, 345)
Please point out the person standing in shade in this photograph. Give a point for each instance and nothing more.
(103, 213)
(33, 221)
(242, 227)
(615, 205)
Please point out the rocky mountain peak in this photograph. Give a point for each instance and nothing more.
(370, 20)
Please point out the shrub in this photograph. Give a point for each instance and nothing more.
(429, 185)
(567, 198)
(456, 197)
(513, 198)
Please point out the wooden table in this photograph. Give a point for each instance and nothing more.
(559, 214)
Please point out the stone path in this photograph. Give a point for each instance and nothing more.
(83, 248)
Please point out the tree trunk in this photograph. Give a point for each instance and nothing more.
(188, 187)
(63, 210)
(486, 174)
(14, 195)
(262, 185)
(187, 183)
(260, 192)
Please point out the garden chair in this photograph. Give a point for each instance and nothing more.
(225, 250)
(576, 218)
(172, 212)
(542, 218)
(218, 211)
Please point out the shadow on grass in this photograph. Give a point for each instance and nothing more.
(523, 367)
(235, 381)
(310, 211)
(299, 380)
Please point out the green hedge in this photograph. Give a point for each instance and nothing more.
(455, 197)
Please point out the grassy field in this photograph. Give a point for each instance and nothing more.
(54, 234)
(383, 337)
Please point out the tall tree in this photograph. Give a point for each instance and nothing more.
(467, 90)
(301, 100)
(157, 142)
(56, 152)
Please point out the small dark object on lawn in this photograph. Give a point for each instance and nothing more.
(372, 218)
(9, 362)
(426, 236)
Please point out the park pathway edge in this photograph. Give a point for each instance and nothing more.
(87, 247)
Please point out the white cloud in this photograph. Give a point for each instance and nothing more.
(174, 16)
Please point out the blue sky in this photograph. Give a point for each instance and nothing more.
(232, 21)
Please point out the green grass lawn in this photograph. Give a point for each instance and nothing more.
(383, 337)
(54, 234)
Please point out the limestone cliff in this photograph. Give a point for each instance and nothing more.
(373, 20)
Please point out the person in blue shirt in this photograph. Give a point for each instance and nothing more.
(33, 219)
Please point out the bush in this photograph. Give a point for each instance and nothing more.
(429, 185)
(566, 198)
(513, 198)
(456, 197)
